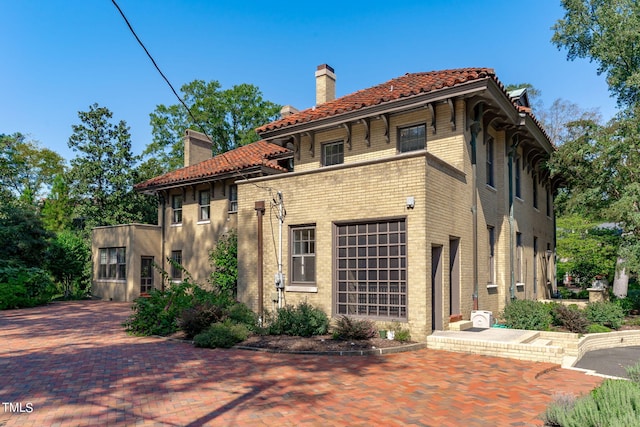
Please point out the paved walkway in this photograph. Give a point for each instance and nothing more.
(71, 364)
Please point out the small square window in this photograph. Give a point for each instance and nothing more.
(412, 138)
(333, 153)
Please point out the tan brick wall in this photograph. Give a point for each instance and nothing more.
(374, 183)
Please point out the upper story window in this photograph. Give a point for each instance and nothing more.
(176, 209)
(548, 202)
(113, 264)
(412, 138)
(490, 147)
(233, 198)
(518, 189)
(204, 203)
(333, 153)
(535, 192)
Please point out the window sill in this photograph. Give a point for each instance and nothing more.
(177, 224)
(520, 285)
(301, 288)
(205, 221)
(491, 188)
(112, 280)
(492, 286)
(232, 212)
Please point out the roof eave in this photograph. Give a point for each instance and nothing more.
(464, 89)
(243, 173)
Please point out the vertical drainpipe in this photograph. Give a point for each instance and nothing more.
(475, 129)
(163, 201)
(512, 151)
(259, 207)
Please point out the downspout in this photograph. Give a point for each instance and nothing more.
(512, 151)
(163, 217)
(475, 129)
(259, 207)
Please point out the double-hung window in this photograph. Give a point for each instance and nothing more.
(518, 189)
(176, 209)
(303, 255)
(113, 264)
(204, 202)
(333, 153)
(412, 138)
(233, 198)
(490, 147)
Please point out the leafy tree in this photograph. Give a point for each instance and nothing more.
(26, 168)
(607, 32)
(228, 116)
(66, 258)
(57, 208)
(586, 248)
(103, 173)
(23, 239)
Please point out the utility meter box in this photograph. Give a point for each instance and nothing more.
(482, 319)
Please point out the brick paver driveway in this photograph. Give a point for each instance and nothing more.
(72, 364)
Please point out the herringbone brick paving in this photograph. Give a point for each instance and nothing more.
(76, 367)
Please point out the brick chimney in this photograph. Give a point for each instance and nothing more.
(197, 147)
(288, 110)
(325, 84)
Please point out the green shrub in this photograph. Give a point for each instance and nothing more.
(24, 287)
(597, 329)
(633, 372)
(240, 313)
(571, 317)
(605, 313)
(526, 314)
(347, 328)
(302, 320)
(615, 403)
(626, 304)
(222, 335)
(199, 317)
(402, 335)
(158, 313)
(582, 294)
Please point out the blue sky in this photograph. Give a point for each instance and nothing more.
(59, 57)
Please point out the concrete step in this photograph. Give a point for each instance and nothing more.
(528, 337)
(461, 325)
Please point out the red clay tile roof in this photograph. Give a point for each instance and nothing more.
(410, 84)
(255, 154)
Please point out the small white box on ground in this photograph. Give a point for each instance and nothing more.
(482, 318)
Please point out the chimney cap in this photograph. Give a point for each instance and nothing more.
(327, 67)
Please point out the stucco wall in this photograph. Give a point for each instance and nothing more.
(138, 240)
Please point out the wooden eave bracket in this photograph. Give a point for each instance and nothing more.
(385, 120)
(452, 109)
(296, 145)
(367, 131)
(432, 115)
(347, 139)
